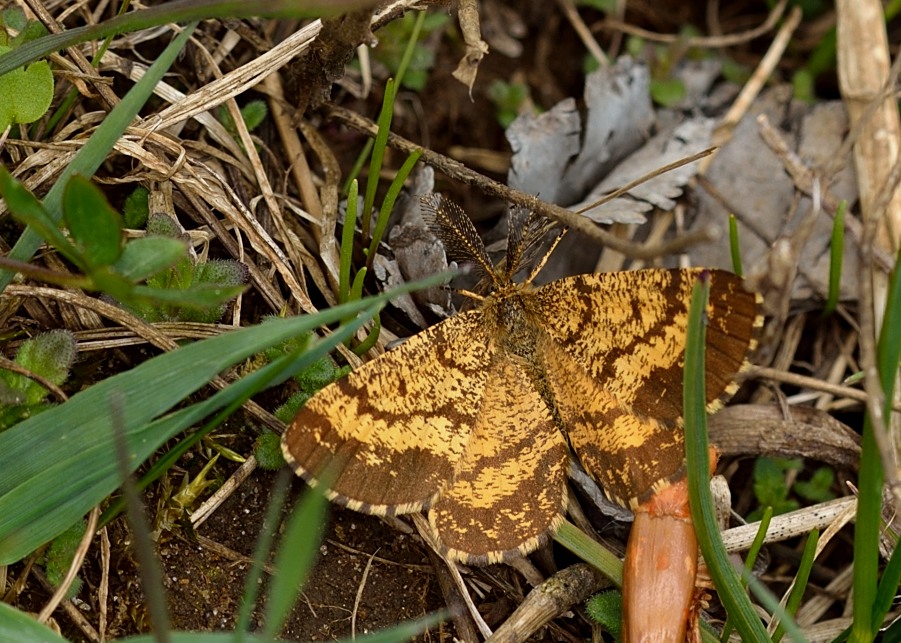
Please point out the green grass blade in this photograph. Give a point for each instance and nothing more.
(410, 48)
(388, 205)
(358, 165)
(16, 625)
(294, 559)
(871, 477)
(751, 557)
(89, 157)
(378, 155)
(836, 253)
(253, 582)
(591, 551)
(363, 347)
(734, 247)
(722, 572)
(346, 253)
(801, 579)
(888, 586)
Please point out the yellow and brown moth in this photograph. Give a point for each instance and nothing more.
(475, 418)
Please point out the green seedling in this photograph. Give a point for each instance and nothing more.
(95, 246)
(508, 99)
(268, 451)
(315, 376)
(606, 609)
(136, 208)
(59, 555)
(28, 90)
(253, 114)
(173, 509)
(185, 275)
(393, 43)
(50, 356)
(771, 489)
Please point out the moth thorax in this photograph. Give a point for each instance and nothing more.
(516, 335)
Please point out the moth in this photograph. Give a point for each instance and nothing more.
(475, 419)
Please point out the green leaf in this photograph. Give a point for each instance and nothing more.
(93, 153)
(27, 92)
(14, 18)
(16, 625)
(49, 355)
(95, 227)
(148, 256)
(819, 487)
(136, 208)
(769, 482)
(667, 92)
(606, 609)
(268, 451)
(254, 113)
(27, 209)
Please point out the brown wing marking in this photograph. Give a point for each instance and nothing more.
(614, 359)
(510, 492)
(394, 430)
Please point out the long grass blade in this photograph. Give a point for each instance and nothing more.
(703, 514)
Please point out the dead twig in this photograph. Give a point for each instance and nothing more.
(568, 218)
(712, 42)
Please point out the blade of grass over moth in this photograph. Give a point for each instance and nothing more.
(71, 442)
(151, 576)
(93, 153)
(871, 476)
(730, 590)
(253, 581)
(591, 551)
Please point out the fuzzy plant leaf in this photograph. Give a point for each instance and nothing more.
(49, 355)
(60, 554)
(268, 451)
(606, 609)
